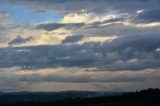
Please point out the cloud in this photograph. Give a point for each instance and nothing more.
(20, 40)
(4, 20)
(73, 38)
(50, 26)
(149, 16)
(97, 6)
(118, 45)
(83, 24)
(81, 19)
(82, 76)
(18, 80)
(4, 17)
(54, 26)
(123, 53)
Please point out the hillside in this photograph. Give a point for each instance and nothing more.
(148, 97)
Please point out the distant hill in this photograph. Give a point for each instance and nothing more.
(147, 97)
(24, 96)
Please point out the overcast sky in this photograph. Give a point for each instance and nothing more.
(98, 45)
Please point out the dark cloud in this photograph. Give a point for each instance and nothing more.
(97, 24)
(54, 26)
(20, 40)
(133, 59)
(149, 16)
(97, 6)
(113, 20)
(105, 23)
(73, 38)
(50, 26)
(124, 53)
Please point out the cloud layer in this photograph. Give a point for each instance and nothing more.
(124, 53)
(79, 44)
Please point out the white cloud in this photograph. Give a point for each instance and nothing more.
(87, 17)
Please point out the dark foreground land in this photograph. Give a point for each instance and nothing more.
(149, 97)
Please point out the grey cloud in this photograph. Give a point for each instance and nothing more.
(98, 24)
(97, 6)
(149, 16)
(50, 26)
(9, 81)
(86, 77)
(105, 23)
(20, 40)
(4, 19)
(124, 53)
(54, 26)
(113, 20)
(19, 82)
(136, 49)
(3, 16)
(137, 42)
(73, 38)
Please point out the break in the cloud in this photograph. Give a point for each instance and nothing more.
(79, 44)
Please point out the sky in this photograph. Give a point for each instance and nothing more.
(84, 45)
